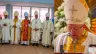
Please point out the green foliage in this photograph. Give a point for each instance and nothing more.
(60, 19)
(60, 13)
(63, 24)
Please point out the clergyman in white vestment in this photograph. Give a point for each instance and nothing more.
(48, 29)
(78, 38)
(6, 28)
(36, 26)
(15, 29)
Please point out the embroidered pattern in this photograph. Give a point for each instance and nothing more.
(69, 46)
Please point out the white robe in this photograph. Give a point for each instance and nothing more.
(47, 28)
(6, 31)
(61, 39)
(35, 35)
(15, 40)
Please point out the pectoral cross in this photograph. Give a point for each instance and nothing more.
(73, 10)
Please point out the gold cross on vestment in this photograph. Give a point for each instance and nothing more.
(73, 10)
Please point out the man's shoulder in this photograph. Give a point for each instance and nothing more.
(59, 40)
(33, 19)
(39, 19)
(62, 35)
(50, 21)
(19, 20)
(44, 21)
(90, 34)
(23, 20)
(6, 19)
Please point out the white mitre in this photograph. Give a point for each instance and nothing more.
(5, 13)
(47, 15)
(36, 13)
(75, 12)
(16, 13)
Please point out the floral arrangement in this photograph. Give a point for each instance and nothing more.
(59, 20)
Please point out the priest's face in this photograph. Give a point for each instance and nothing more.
(26, 17)
(5, 16)
(16, 17)
(75, 13)
(36, 16)
(76, 30)
(47, 18)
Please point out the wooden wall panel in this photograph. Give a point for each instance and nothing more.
(57, 3)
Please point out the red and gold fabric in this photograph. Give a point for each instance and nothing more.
(25, 34)
(69, 46)
(15, 20)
